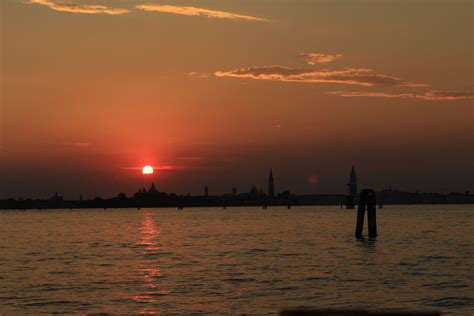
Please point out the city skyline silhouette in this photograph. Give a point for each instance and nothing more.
(154, 197)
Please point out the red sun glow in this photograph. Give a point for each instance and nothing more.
(147, 170)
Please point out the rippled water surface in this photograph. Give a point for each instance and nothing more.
(239, 260)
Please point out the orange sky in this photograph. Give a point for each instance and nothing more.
(223, 90)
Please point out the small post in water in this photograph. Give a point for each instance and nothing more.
(367, 200)
(371, 214)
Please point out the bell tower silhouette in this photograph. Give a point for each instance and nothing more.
(353, 182)
(271, 187)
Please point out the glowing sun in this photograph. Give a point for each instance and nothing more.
(147, 170)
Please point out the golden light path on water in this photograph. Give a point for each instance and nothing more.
(149, 271)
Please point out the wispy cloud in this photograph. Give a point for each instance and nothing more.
(351, 76)
(160, 168)
(430, 95)
(70, 7)
(193, 11)
(370, 94)
(198, 75)
(317, 58)
(447, 95)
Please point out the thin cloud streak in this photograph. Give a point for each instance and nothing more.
(369, 94)
(198, 75)
(430, 95)
(160, 168)
(317, 58)
(351, 76)
(70, 7)
(447, 95)
(193, 11)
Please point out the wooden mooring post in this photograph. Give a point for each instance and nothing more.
(366, 200)
(349, 202)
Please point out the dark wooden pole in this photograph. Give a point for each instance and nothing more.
(366, 200)
(371, 214)
(361, 213)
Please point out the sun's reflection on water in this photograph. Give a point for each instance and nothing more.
(149, 233)
(149, 271)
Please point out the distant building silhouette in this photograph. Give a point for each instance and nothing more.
(253, 190)
(152, 189)
(353, 182)
(255, 197)
(56, 197)
(271, 186)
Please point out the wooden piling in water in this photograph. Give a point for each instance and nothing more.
(350, 202)
(360, 216)
(366, 200)
(372, 214)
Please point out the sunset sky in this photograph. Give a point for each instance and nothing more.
(218, 92)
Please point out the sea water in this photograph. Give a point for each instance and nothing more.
(237, 260)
